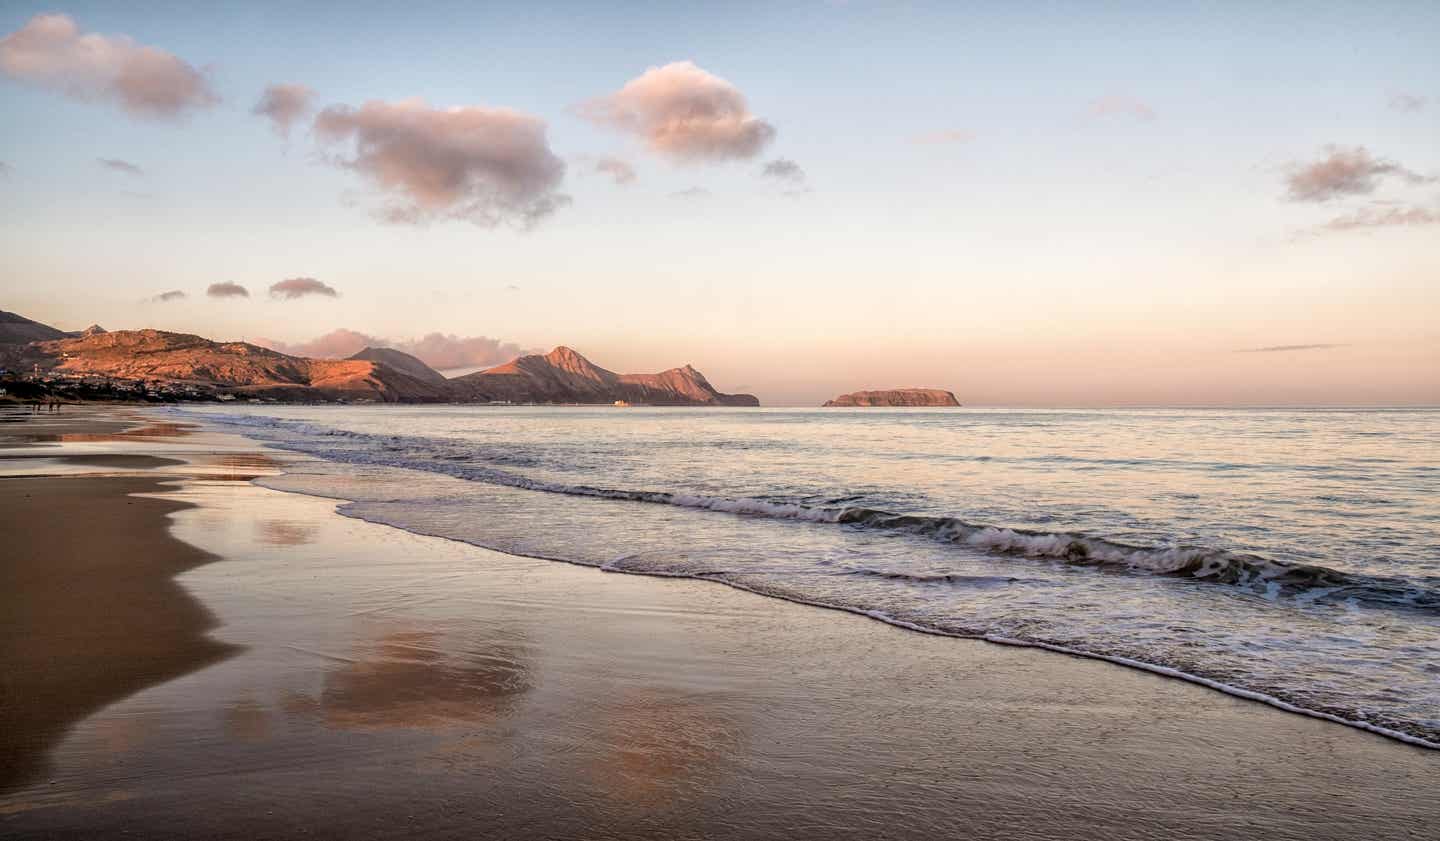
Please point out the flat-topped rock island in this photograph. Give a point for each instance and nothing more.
(896, 397)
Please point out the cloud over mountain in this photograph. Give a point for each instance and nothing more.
(51, 53)
(300, 287)
(684, 113)
(283, 105)
(438, 350)
(487, 166)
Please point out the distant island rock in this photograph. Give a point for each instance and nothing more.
(897, 397)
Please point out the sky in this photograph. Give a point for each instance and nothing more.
(1028, 204)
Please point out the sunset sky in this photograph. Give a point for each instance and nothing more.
(1024, 203)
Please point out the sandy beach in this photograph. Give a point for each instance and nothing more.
(186, 654)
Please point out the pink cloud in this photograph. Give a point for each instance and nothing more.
(484, 165)
(283, 105)
(227, 290)
(621, 171)
(1379, 216)
(438, 350)
(1345, 171)
(337, 344)
(684, 113)
(51, 53)
(300, 287)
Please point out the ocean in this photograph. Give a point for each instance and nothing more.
(1287, 556)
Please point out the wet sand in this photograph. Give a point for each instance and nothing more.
(89, 609)
(385, 683)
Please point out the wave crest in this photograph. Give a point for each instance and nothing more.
(1268, 577)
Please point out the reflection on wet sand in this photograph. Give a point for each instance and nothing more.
(102, 430)
(247, 720)
(234, 467)
(114, 461)
(256, 463)
(151, 429)
(418, 680)
(286, 532)
(660, 746)
(123, 734)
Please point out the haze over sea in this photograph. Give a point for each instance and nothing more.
(1288, 555)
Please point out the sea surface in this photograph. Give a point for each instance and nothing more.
(1288, 556)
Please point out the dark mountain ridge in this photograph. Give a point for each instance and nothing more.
(18, 330)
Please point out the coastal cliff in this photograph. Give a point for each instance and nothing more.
(896, 397)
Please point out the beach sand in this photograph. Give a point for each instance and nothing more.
(309, 674)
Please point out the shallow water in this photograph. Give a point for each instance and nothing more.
(1293, 554)
(386, 684)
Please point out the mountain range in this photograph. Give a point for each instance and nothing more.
(185, 364)
(564, 376)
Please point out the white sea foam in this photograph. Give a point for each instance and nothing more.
(934, 573)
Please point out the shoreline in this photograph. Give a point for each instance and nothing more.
(346, 505)
(85, 626)
(442, 689)
(993, 639)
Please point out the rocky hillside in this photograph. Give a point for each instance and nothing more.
(236, 367)
(897, 397)
(564, 376)
(185, 366)
(402, 362)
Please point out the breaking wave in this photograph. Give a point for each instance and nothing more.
(1267, 577)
